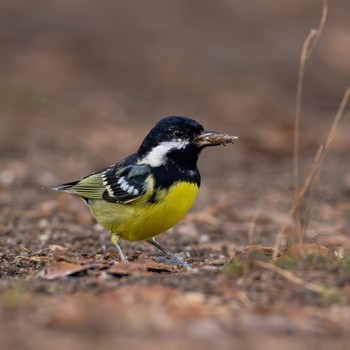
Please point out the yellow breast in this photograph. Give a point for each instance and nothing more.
(140, 219)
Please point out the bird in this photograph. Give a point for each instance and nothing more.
(149, 191)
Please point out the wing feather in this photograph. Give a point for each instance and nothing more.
(126, 184)
(120, 183)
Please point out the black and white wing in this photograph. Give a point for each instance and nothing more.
(120, 183)
(125, 184)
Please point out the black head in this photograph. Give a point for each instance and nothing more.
(177, 139)
(171, 129)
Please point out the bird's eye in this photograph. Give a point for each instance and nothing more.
(178, 133)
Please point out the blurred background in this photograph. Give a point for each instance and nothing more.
(82, 82)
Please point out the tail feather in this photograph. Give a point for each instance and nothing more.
(67, 187)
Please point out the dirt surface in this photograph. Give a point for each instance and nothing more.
(82, 83)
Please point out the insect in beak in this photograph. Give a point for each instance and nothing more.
(212, 138)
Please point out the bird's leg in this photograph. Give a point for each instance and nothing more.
(115, 241)
(173, 259)
(123, 258)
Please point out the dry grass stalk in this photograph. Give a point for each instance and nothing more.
(308, 46)
(316, 167)
(303, 57)
(320, 27)
(291, 277)
(324, 149)
(251, 227)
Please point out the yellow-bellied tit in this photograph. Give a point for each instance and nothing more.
(151, 190)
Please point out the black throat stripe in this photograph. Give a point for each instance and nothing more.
(168, 174)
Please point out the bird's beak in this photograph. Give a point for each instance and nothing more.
(212, 138)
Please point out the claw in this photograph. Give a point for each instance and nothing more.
(171, 258)
(174, 260)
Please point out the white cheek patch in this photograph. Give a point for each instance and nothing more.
(157, 155)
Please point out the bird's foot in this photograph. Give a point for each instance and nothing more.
(114, 262)
(174, 260)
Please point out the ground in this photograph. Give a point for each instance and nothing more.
(82, 83)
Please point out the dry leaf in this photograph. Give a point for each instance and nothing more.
(126, 269)
(63, 269)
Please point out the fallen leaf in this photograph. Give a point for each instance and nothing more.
(140, 266)
(154, 266)
(125, 269)
(62, 269)
(65, 256)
